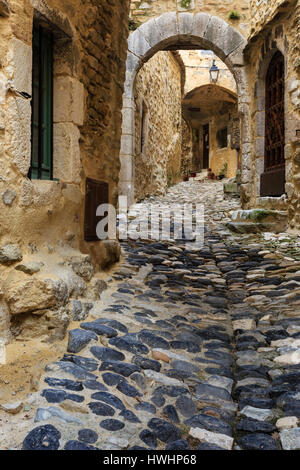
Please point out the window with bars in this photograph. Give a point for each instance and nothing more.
(42, 105)
(274, 141)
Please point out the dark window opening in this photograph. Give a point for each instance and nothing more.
(143, 127)
(97, 193)
(42, 105)
(222, 138)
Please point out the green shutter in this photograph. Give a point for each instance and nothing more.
(42, 106)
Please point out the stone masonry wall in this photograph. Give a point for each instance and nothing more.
(222, 159)
(282, 34)
(89, 71)
(186, 148)
(197, 65)
(42, 222)
(158, 90)
(142, 11)
(263, 11)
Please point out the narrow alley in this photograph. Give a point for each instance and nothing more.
(149, 227)
(187, 349)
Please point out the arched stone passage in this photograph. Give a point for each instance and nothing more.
(212, 112)
(172, 30)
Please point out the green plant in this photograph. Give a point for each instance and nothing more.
(234, 15)
(224, 169)
(185, 3)
(133, 25)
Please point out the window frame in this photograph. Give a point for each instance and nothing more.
(41, 167)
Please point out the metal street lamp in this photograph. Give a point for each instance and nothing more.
(214, 72)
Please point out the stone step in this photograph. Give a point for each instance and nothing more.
(258, 220)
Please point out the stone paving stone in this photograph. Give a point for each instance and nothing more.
(177, 329)
(42, 438)
(258, 441)
(109, 398)
(88, 436)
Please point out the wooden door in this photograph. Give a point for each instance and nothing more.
(96, 194)
(273, 178)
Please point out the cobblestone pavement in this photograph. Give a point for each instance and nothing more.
(188, 349)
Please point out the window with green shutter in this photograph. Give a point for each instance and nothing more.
(42, 105)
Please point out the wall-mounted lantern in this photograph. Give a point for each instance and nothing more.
(214, 72)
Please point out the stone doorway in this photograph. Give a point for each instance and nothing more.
(172, 31)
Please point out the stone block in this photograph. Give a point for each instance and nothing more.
(290, 439)
(21, 66)
(9, 196)
(82, 266)
(200, 24)
(128, 85)
(221, 440)
(185, 23)
(233, 44)
(231, 188)
(68, 100)
(126, 168)
(66, 152)
(35, 295)
(167, 25)
(137, 44)
(18, 126)
(132, 62)
(215, 34)
(126, 144)
(151, 33)
(288, 422)
(10, 254)
(126, 189)
(127, 120)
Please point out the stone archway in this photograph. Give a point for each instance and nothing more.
(172, 30)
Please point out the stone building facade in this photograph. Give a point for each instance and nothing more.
(274, 30)
(45, 258)
(212, 111)
(158, 94)
(236, 13)
(249, 37)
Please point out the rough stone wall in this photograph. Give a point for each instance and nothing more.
(282, 34)
(222, 159)
(89, 73)
(142, 11)
(263, 11)
(158, 90)
(197, 65)
(186, 148)
(44, 220)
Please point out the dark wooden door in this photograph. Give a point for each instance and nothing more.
(96, 194)
(273, 178)
(206, 146)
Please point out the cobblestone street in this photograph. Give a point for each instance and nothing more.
(187, 349)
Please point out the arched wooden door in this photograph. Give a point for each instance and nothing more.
(273, 178)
